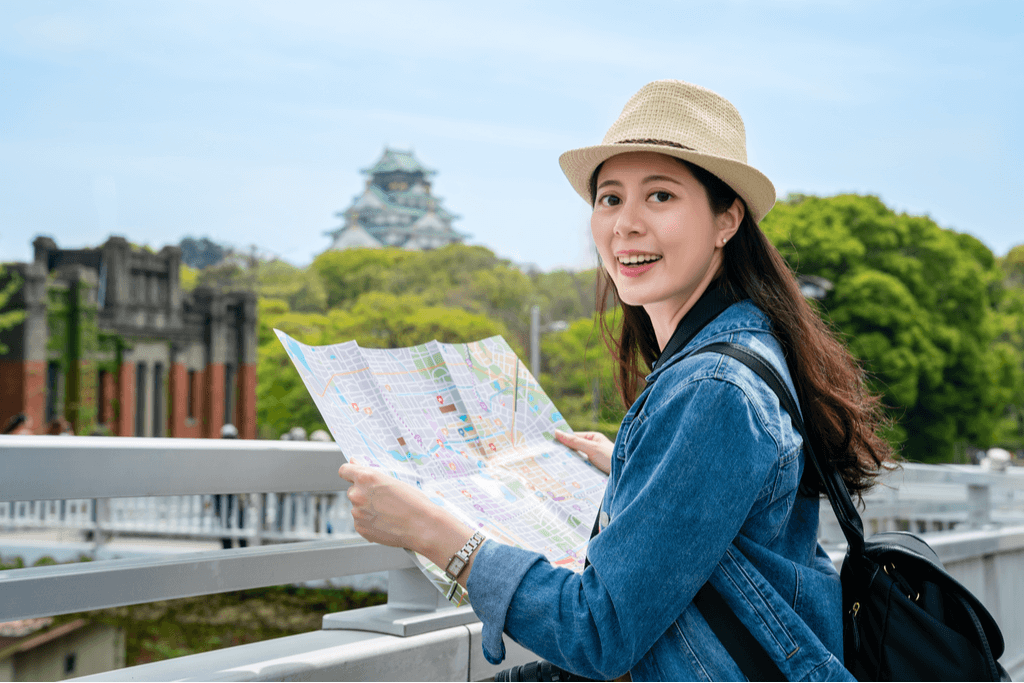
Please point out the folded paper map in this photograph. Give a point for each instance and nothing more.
(469, 426)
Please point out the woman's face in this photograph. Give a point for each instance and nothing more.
(656, 234)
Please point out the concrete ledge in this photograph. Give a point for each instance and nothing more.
(451, 654)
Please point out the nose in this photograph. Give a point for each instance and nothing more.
(629, 219)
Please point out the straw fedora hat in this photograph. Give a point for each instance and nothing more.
(685, 121)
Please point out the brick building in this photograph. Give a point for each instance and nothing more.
(111, 342)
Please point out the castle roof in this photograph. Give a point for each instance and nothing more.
(393, 160)
(355, 237)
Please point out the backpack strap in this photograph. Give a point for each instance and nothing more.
(746, 650)
(835, 487)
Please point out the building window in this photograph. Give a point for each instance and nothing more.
(229, 394)
(190, 400)
(69, 663)
(158, 399)
(52, 389)
(140, 399)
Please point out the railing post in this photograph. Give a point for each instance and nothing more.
(260, 515)
(979, 505)
(414, 606)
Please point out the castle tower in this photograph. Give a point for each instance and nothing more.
(396, 209)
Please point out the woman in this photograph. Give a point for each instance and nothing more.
(707, 479)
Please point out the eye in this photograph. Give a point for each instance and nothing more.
(609, 200)
(660, 196)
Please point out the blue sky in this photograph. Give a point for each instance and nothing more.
(248, 122)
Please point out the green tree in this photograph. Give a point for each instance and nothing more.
(565, 294)
(1010, 343)
(9, 286)
(457, 276)
(376, 320)
(301, 288)
(282, 401)
(347, 274)
(916, 303)
(579, 376)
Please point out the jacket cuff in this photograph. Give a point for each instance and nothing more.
(497, 571)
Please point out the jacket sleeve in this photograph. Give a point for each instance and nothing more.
(692, 466)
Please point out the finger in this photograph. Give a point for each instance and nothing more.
(356, 496)
(568, 438)
(576, 441)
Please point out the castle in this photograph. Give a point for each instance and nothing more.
(396, 209)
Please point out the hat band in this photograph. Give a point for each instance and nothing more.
(652, 141)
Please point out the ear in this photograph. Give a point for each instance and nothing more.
(728, 222)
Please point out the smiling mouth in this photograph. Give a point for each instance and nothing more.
(637, 259)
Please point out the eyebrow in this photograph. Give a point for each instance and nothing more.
(649, 179)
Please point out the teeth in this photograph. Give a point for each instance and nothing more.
(638, 258)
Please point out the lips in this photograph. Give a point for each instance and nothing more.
(635, 264)
(636, 258)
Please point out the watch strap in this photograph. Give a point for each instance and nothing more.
(459, 560)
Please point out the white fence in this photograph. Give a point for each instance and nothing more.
(416, 635)
(919, 498)
(933, 498)
(257, 518)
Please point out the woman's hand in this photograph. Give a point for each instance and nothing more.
(595, 445)
(390, 512)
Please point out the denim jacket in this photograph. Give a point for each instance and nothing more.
(703, 486)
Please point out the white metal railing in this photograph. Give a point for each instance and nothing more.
(51, 469)
(260, 517)
(166, 486)
(920, 498)
(933, 498)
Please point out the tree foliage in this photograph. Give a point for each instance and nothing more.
(936, 319)
(917, 304)
(469, 278)
(10, 283)
(1010, 343)
(579, 376)
(375, 320)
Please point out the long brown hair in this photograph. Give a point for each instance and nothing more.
(842, 417)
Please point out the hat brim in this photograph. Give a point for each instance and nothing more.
(753, 186)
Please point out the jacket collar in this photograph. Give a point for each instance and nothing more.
(741, 316)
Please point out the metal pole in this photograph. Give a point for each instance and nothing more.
(535, 341)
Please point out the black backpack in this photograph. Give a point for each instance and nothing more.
(904, 617)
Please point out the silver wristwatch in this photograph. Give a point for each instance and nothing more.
(460, 560)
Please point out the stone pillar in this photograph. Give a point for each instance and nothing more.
(172, 257)
(215, 308)
(42, 247)
(116, 252)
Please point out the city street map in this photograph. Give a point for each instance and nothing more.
(469, 426)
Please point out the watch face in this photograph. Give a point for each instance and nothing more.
(455, 566)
